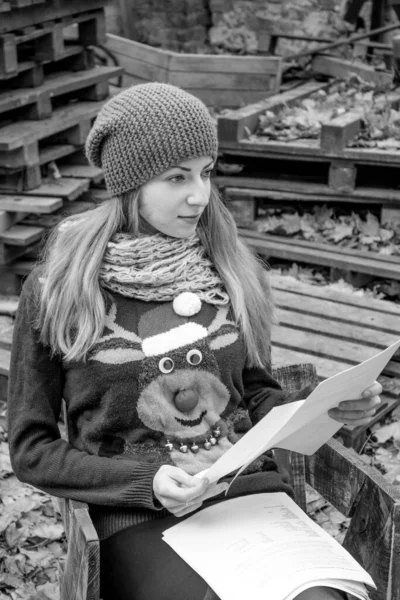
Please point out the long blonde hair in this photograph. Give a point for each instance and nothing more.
(73, 305)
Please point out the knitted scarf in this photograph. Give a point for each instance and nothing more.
(158, 268)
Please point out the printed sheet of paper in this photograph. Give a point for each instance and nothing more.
(263, 546)
(302, 426)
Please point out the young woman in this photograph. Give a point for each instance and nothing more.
(151, 319)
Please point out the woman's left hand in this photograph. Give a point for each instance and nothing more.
(360, 411)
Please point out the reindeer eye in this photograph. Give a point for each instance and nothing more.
(194, 357)
(166, 365)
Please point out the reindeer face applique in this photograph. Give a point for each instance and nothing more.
(180, 393)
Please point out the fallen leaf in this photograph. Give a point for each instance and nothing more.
(48, 531)
(392, 288)
(385, 234)
(16, 536)
(340, 231)
(369, 227)
(392, 430)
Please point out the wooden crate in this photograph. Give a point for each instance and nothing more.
(341, 168)
(217, 80)
(335, 331)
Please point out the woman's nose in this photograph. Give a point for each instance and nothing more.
(198, 199)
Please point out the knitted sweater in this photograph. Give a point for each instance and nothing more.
(157, 388)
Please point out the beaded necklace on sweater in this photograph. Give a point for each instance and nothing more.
(159, 268)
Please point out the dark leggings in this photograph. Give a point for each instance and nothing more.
(136, 564)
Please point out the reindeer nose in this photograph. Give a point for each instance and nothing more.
(186, 400)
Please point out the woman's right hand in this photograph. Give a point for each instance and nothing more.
(181, 493)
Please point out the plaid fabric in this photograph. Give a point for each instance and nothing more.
(298, 381)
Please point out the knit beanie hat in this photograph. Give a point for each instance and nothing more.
(146, 129)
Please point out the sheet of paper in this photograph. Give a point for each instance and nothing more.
(247, 547)
(302, 426)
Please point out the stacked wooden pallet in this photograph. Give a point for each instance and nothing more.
(51, 92)
(308, 170)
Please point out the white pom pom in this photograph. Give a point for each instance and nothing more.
(186, 304)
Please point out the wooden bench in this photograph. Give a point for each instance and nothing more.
(356, 490)
(334, 331)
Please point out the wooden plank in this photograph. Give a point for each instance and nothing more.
(82, 569)
(325, 367)
(95, 174)
(217, 64)
(287, 283)
(223, 81)
(140, 70)
(274, 189)
(226, 99)
(18, 19)
(142, 52)
(9, 253)
(5, 357)
(21, 235)
(367, 254)
(8, 55)
(25, 132)
(6, 331)
(125, 18)
(336, 312)
(317, 343)
(233, 125)
(361, 492)
(68, 208)
(54, 152)
(8, 306)
(56, 85)
(358, 333)
(8, 219)
(22, 267)
(348, 262)
(307, 149)
(29, 203)
(336, 134)
(338, 67)
(347, 474)
(67, 188)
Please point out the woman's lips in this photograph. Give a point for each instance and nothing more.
(190, 219)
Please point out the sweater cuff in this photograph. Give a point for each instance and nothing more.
(140, 492)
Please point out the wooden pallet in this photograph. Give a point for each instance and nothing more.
(90, 85)
(32, 74)
(324, 167)
(45, 42)
(344, 259)
(24, 220)
(57, 88)
(36, 13)
(28, 145)
(335, 331)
